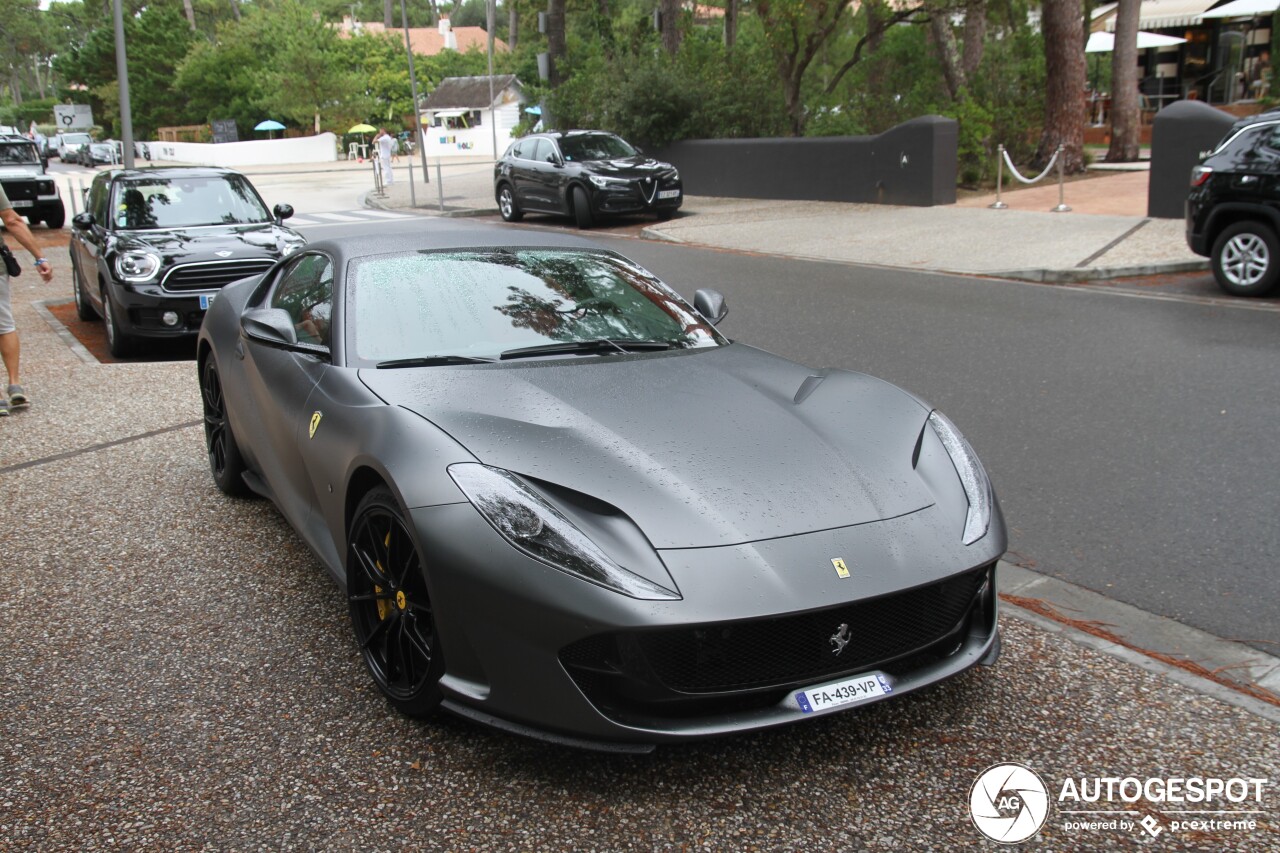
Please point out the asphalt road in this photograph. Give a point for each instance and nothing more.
(1130, 439)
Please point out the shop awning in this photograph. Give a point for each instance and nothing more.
(1158, 14)
(1106, 42)
(1243, 9)
(448, 113)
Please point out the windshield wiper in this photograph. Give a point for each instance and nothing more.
(431, 361)
(598, 345)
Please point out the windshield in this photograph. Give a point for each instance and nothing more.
(484, 302)
(147, 203)
(22, 153)
(76, 138)
(596, 146)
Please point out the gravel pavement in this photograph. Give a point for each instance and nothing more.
(179, 674)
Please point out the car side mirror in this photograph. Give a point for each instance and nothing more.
(282, 212)
(710, 304)
(270, 326)
(83, 221)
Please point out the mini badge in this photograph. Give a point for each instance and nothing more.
(315, 424)
(842, 570)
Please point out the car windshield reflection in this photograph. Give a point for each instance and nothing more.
(596, 146)
(482, 304)
(151, 203)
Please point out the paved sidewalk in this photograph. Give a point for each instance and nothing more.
(1105, 235)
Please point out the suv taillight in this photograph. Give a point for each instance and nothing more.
(1200, 174)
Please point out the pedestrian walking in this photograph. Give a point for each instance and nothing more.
(15, 395)
(384, 141)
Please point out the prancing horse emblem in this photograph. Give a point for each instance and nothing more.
(840, 638)
(315, 424)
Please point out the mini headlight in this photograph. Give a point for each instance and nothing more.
(137, 266)
(609, 183)
(977, 488)
(531, 524)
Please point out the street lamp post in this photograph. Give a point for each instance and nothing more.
(122, 72)
(413, 89)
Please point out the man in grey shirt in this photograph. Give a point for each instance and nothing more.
(15, 396)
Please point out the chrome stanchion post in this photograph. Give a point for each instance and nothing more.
(1062, 205)
(999, 205)
(377, 178)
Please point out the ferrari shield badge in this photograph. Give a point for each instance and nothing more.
(842, 571)
(315, 424)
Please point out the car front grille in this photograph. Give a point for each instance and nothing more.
(212, 275)
(739, 665)
(18, 190)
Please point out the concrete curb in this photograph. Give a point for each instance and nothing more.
(1144, 635)
(1073, 276)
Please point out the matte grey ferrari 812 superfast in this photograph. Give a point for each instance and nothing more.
(562, 503)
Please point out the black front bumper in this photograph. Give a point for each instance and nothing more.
(139, 310)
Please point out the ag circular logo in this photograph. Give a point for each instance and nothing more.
(1008, 803)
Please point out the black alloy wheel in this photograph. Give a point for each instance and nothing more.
(390, 609)
(225, 463)
(581, 208)
(120, 344)
(83, 309)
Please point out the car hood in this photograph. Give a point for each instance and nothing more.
(13, 172)
(259, 240)
(628, 167)
(700, 448)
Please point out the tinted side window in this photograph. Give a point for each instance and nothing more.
(97, 202)
(517, 150)
(305, 291)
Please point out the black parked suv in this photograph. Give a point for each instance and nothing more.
(30, 189)
(1233, 209)
(585, 174)
(154, 247)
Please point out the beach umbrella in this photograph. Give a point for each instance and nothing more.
(363, 128)
(269, 125)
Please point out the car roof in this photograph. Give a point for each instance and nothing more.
(565, 134)
(447, 236)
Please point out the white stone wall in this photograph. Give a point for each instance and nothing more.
(259, 152)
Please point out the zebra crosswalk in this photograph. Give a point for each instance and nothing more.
(343, 217)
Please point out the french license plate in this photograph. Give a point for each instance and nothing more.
(668, 193)
(206, 300)
(22, 203)
(851, 691)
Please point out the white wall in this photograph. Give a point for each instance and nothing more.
(442, 142)
(260, 152)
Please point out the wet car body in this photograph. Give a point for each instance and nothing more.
(585, 174)
(773, 530)
(179, 263)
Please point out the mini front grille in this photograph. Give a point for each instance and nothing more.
(212, 275)
(692, 666)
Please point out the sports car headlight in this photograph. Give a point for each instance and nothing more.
(137, 266)
(531, 524)
(609, 183)
(977, 488)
